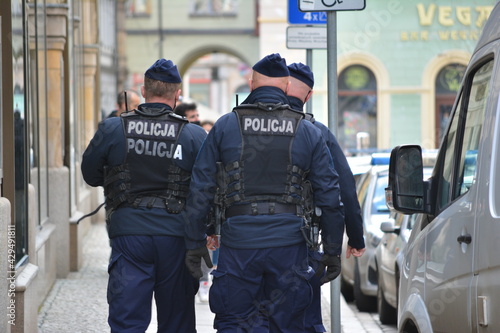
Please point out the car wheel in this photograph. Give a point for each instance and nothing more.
(363, 302)
(346, 290)
(409, 327)
(386, 313)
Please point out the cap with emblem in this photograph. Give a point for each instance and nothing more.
(165, 71)
(272, 65)
(302, 73)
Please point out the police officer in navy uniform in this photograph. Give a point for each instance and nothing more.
(143, 159)
(300, 91)
(267, 152)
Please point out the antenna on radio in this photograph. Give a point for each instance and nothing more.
(126, 102)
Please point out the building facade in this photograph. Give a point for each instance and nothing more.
(412, 56)
(55, 59)
(398, 62)
(399, 65)
(212, 42)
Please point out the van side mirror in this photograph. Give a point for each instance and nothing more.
(405, 192)
(389, 227)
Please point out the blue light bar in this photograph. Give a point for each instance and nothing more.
(380, 158)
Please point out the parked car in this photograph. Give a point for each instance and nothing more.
(389, 257)
(449, 275)
(359, 165)
(358, 280)
(389, 254)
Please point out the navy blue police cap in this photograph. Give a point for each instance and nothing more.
(165, 71)
(272, 65)
(302, 73)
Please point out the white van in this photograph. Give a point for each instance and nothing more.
(450, 277)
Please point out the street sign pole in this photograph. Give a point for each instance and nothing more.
(331, 47)
(309, 63)
(331, 42)
(331, 7)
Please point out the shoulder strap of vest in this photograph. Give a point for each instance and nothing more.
(165, 115)
(310, 117)
(177, 117)
(128, 112)
(267, 107)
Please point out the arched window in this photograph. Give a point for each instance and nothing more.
(447, 84)
(357, 108)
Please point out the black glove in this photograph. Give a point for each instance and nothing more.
(332, 264)
(193, 261)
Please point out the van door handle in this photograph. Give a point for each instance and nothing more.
(467, 239)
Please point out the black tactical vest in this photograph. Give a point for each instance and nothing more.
(264, 172)
(149, 177)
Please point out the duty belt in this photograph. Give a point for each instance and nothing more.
(263, 208)
(150, 202)
(172, 205)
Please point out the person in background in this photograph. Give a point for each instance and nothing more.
(267, 151)
(190, 111)
(144, 159)
(207, 125)
(133, 101)
(300, 91)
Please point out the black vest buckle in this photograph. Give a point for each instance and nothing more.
(255, 209)
(272, 208)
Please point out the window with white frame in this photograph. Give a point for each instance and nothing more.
(138, 8)
(213, 8)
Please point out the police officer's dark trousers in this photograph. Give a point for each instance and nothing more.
(314, 320)
(249, 280)
(141, 266)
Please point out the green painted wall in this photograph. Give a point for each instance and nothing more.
(405, 37)
(405, 119)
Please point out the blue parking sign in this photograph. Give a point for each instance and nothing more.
(295, 16)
